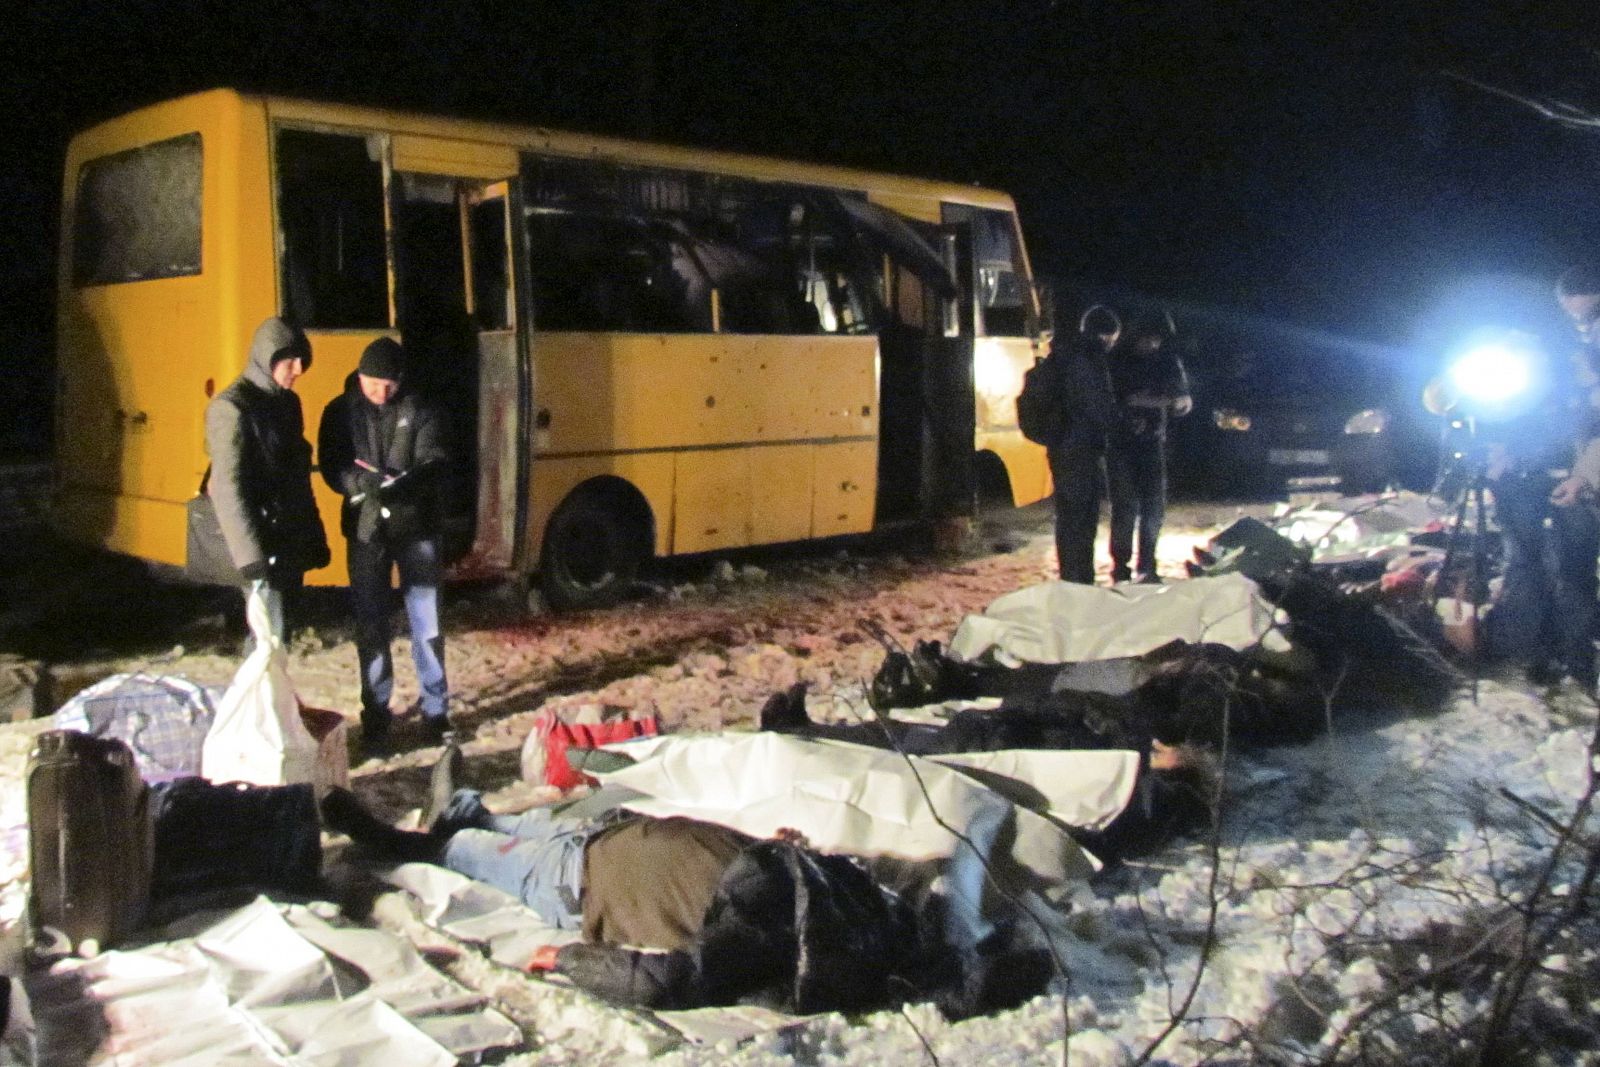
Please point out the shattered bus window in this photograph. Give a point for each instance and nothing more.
(334, 263)
(996, 253)
(138, 214)
(643, 249)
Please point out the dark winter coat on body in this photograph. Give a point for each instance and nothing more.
(403, 440)
(1159, 376)
(260, 480)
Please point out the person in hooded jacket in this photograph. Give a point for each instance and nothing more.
(1151, 386)
(260, 478)
(1077, 457)
(382, 448)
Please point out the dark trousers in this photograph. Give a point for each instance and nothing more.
(1136, 474)
(1077, 471)
(1545, 612)
(1577, 546)
(370, 565)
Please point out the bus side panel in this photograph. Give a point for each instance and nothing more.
(844, 474)
(135, 357)
(744, 416)
(713, 500)
(998, 367)
(779, 510)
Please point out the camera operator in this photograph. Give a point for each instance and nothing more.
(1578, 527)
(1543, 616)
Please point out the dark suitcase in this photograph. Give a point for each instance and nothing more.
(89, 841)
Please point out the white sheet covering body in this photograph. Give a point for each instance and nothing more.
(258, 986)
(1061, 622)
(844, 798)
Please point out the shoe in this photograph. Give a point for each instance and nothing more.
(375, 741)
(1120, 575)
(1150, 578)
(341, 811)
(1545, 673)
(447, 774)
(436, 729)
(785, 710)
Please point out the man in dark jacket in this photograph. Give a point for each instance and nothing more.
(1150, 385)
(260, 480)
(1076, 459)
(381, 447)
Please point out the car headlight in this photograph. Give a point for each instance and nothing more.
(1372, 420)
(1230, 420)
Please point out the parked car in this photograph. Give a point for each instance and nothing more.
(1288, 419)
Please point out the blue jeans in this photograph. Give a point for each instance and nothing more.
(419, 566)
(536, 856)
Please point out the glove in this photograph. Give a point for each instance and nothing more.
(256, 571)
(368, 518)
(367, 483)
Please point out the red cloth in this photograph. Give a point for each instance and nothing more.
(564, 735)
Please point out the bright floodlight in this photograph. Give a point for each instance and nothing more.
(1492, 373)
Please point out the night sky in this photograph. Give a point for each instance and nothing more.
(1300, 162)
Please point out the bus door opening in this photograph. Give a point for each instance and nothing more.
(456, 309)
(949, 478)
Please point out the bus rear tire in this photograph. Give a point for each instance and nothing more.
(593, 549)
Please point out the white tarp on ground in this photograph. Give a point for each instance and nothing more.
(1061, 622)
(1354, 527)
(844, 798)
(265, 984)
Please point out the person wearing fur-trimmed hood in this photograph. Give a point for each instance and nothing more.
(260, 480)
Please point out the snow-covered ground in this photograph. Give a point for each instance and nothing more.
(1392, 826)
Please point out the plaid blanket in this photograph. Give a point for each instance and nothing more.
(163, 718)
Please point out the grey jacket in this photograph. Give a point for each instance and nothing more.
(261, 463)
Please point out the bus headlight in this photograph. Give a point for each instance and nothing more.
(1372, 420)
(1230, 420)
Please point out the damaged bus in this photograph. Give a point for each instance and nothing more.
(643, 349)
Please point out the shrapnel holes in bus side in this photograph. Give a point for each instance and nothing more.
(594, 545)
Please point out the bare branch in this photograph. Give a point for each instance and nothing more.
(1554, 110)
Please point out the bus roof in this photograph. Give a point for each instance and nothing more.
(591, 146)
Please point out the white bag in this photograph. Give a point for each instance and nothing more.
(258, 735)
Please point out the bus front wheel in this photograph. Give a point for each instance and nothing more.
(592, 553)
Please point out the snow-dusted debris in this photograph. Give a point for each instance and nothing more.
(1341, 863)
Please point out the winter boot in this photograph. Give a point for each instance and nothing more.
(341, 811)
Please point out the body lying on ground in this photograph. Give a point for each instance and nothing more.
(1177, 783)
(1344, 652)
(680, 913)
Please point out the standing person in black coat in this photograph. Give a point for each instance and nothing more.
(1076, 459)
(260, 479)
(381, 447)
(1150, 385)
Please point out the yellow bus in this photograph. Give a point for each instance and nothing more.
(643, 349)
